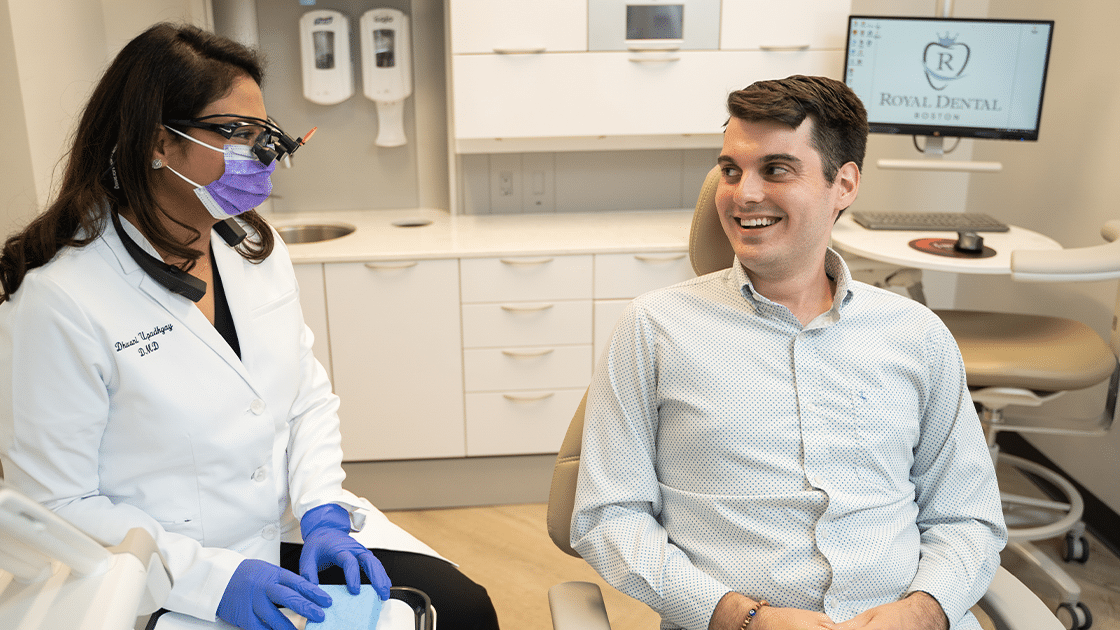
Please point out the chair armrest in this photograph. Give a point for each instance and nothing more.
(577, 606)
(139, 543)
(1012, 606)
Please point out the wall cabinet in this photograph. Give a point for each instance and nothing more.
(471, 357)
(788, 25)
(557, 91)
(517, 26)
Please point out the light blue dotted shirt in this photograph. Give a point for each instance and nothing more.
(831, 467)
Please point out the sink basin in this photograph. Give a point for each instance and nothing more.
(313, 232)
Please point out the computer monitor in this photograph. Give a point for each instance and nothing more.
(963, 77)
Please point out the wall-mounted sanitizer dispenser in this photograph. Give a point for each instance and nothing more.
(387, 70)
(324, 45)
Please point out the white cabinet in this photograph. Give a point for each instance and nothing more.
(517, 26)
(471, 357)
(783, 26)
(609, 94)
(313, 301)
(622, 277)
(527, 350)
(397, 356)
(560, 96)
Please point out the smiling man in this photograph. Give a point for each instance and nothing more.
(776, 445)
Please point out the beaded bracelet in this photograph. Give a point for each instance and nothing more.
(752, 612)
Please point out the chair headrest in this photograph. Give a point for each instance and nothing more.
(708, 247)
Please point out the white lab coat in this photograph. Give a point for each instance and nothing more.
(128, 409)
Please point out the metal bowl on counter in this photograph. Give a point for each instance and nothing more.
(314, 232)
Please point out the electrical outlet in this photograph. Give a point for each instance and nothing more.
(506, 183)
(539, 179)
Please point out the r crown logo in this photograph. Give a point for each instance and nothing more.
(945, 60)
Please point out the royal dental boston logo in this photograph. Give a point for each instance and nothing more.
(943, 61)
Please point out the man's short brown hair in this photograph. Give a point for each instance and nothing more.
(840, 129)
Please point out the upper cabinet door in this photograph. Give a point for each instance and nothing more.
(787, 25)
(517, 26)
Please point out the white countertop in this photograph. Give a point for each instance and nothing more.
(892, 246)
(475, 236)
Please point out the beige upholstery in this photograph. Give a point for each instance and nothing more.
(1029, 351)
(708, 247)
(562, 493)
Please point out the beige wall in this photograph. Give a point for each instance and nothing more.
(17, 192)
(1064, 186)
(47, 77)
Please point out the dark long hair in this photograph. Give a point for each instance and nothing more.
(168, 71)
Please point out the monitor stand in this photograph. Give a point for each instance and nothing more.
(933, 160)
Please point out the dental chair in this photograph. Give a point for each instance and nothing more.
(579, 605)
(1028, 360)
(55, 577)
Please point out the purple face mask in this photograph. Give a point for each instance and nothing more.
(244, 185)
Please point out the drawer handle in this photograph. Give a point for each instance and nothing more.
(638, 59)
(539, 397)
(526, 261)
(520, 51)
(658, 259)
(526, 308)
(530, 354)
(785, 48)
(391, 265)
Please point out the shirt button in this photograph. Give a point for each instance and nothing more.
(257, 406)
(269, 533)
(259, 474)
(818, 481)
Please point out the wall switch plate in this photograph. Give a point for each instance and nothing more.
(506, 183)
(538, 175)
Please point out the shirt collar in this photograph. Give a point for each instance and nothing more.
(834, 267)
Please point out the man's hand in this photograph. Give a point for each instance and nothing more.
(733, 607)
(919, 611)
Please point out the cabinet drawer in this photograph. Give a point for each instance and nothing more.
(522, 422)
(630, 275)
(788, 25)
(526, 324)
(526, 278)
(544, 367)
(517, 26)
(607, 313)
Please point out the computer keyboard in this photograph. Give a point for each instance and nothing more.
(929, 221)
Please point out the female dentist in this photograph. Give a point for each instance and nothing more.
(155, 369)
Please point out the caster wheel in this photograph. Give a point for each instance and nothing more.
(1074, 617)
(1076, 549)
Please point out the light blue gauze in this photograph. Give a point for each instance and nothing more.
(349, 612)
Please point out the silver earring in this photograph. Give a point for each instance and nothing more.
(157, 163)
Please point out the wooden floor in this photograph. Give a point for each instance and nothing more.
(507, 550)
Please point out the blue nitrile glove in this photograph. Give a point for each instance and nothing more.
(327, 541)
(258, 587)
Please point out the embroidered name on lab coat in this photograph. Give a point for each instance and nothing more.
(151, 344)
